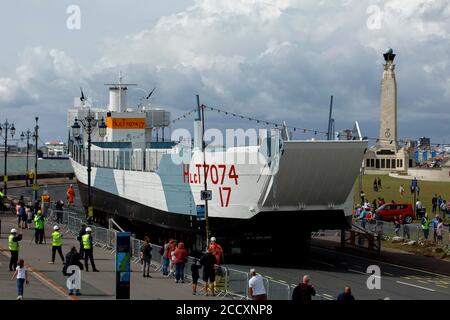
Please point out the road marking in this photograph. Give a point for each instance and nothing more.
(282, 281)
(324, 263)
(357, 271)
(421, 281)
(384, 262)
(355, 266)
(438, 285)
(327, 295)
(43, 279)
(415, 286)
(363, 273)
(267, 277)
(389, 274)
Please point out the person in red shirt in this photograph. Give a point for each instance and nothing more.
(181, 256)
(70, 195)
(216, 250)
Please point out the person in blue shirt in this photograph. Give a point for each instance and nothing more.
(357, 211)
(435, 223)
(346, 295)
(362, 217)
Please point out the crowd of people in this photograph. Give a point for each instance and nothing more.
(365, 211)
(34, 215)
(174, 259)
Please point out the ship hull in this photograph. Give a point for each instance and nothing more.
(237, 236)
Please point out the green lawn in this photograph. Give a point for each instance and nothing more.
(390, 190)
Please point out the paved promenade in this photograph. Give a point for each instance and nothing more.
(48, 282)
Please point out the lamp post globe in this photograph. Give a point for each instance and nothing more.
(102, 128)
(76, 129)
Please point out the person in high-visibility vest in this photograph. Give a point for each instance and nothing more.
(13, 245)
(425, 226)
(88, 248)
(39, 223)
(56, 244)
(31, 177)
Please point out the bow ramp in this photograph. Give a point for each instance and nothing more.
(314, 175)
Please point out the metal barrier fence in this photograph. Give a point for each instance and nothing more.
(388, 231)
(278, 290)
(237, 283)
(407, 231)
(229, 282)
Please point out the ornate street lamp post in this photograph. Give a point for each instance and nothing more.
(89, 123)
(36, 140)
(28, 135)
(6, 126)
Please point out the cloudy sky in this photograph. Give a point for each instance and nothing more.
(274, 60)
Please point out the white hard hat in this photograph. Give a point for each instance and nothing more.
(88, 229)
(55, 228)
(13, 230)
(213, 239)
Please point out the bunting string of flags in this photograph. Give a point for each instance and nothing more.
(184, 116)
(294, 128)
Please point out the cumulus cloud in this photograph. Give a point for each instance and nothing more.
(268, 59)
(283, 59)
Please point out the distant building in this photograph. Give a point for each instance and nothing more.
(411, 144)
(55, 148)
(11, 149)
(345, 134)
(424, 143)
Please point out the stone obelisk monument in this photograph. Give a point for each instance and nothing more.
(388, 120)
(387, 155)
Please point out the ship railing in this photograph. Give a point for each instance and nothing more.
(121, 159)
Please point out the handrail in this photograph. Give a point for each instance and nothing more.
(111, 221)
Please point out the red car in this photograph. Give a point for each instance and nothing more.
(388, 211)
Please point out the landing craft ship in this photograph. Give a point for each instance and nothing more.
(290, 188)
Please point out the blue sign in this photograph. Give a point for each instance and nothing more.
(425, 156)
(122, 265)
(416, 156)
(201, 212)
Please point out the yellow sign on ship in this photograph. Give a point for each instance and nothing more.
(125, 123)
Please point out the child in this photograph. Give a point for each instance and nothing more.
(172, 263)
(195, 275)
(22, 276)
